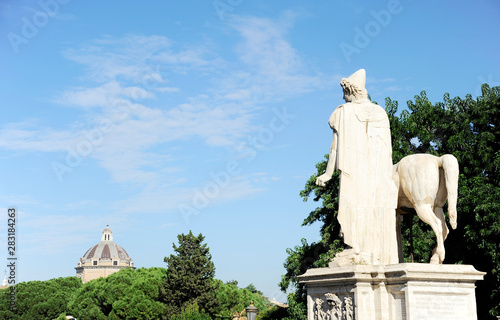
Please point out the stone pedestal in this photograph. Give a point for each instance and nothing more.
(405, 291)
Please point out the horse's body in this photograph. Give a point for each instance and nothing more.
(425, 182)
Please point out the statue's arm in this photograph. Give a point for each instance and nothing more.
(330, 166)
(332, 157)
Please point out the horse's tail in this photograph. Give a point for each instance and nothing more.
(450, 167)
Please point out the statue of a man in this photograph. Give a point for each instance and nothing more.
(361, 149)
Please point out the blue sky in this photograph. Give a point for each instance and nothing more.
(162, 117)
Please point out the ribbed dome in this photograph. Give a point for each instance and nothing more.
(106, 249)
(103, 259)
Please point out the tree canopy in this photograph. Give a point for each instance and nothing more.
(38, 299)
(127, 294)
(233, 300)
(190, 275)
(470, 130)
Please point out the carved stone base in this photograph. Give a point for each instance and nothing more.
(405, 291)
(348, 258)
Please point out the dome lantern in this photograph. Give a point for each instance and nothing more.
(107, 234)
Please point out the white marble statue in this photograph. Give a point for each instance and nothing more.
(361, 149)
(425, 182)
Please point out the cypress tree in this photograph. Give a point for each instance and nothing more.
(190, 276)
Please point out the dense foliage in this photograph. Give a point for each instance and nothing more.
(191, 294)
(470, 130)
(233, 300)
(190, 276)
(191, 312)
(127, 294)
(42, 300)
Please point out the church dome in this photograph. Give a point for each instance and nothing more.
(106, 249)
(103, 258)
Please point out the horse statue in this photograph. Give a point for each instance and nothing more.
(425, 182)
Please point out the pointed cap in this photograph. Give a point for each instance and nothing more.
(358, 79)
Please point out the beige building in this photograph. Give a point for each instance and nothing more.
(5, 283)
(103, 259)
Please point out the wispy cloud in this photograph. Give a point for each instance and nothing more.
(123, 85)
(30, 136)
(127, 58)
(103, 96)
(278, 69)
(167, 89)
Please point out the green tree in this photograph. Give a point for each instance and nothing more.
(316, 254)
(127, 294)
(233, 282)
(39, 299)
(232, 300)
(467, 128)
(191, 312)
(190, 274)
(272, 313)
(253, 289)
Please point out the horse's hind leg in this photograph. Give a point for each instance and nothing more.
(440, 214)
(425, 213)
